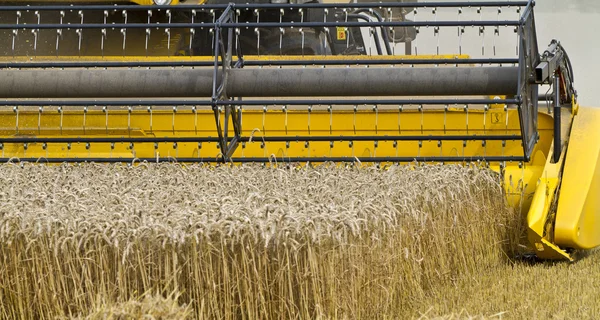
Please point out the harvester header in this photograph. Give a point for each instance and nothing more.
(384, 83)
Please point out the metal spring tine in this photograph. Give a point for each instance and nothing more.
(192, 31)
(173, 119)
(301, 30)
(326, 29)
(60, 111)
(281, 30)
(330, 109)
(464, 144)
(436, 31)
(168, 32)
(257, 31)
(420, 146)
(506, 113)
(59, 31)
(415, 11)
(484, 145)
(497, 30)
(481, 31)
(285, 124)
(309, 112)
(35, 33)
(354, 118)
(237, 30)
(461, 31)
(466, 108)
(150, 112)
(79, 32)
(212, 30)
(129, 109)
(371, 32)
(263, 119)
(16, 111)
(376, 110)
(517, 30)
(103, 31)
(195, 119)
(124, 30)
(392, 30)
(330, 147)
(346, 28)
(15, 33)
(40, 109)
(85, 110)
(445, 117)
(485, 111)
(439, 144)
(422, 116)
(148, 31)
(400, 109)
(105, 110)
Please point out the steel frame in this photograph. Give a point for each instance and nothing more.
(226, 58)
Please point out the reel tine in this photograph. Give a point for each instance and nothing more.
(301, 31)
(148, 32)
(168, 32)
(79, 32)
(150, 112)
(309, 112)
(40, 109)
(124, 30)
(15, 33)
(281, 31)
(35, 33)
(257, 31)
(85, 111)
(60, 111)
(16, 112)
(59, 32)
(103, 33)
(192, 31)
(461, 31)
(481, 31)
(436, 31)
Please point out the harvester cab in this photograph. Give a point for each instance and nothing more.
(289, 83)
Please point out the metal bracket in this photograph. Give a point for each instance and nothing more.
(223, 49)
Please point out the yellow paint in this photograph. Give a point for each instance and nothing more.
(341, 33)
(578, 214)
(540, 211)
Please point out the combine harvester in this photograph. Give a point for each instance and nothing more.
(308, 82)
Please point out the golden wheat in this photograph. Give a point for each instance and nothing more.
(245, 242)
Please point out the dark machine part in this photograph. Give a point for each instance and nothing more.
(555, 69)
(555, 62)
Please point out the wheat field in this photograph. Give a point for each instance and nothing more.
(169, 241)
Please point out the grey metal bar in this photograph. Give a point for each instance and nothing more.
(266, 82)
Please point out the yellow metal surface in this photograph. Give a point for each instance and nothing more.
(578, 213)
(163, 122)
(540, 217)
